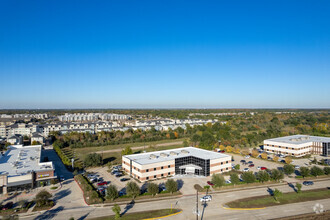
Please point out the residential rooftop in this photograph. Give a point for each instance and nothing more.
(21, 160)
(299, 139)
(172, 154)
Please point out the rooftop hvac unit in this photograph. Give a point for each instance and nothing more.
(173, 153)
(184, 152)
(163, 155)
(153, 156)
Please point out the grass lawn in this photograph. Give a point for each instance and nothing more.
(286, 198)
(142, 215)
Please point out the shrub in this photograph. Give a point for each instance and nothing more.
(264, 156)
(255, 153)
(153, 188)
(92, 160)
(275, 158)
(112, 192)
(88, 189)
(316, 171)
(288, 169)
(237, 167)
(132, 189)
(248, 177)
(171, 186)
(276, 194)
(218, 180)
(288, 160)
(53, 181)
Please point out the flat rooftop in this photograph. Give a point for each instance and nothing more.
(167, 155)
(299, 139)
(21, 160)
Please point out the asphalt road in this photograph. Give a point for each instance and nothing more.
(213, 209)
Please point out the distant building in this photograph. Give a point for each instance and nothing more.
(16, 139)
(21, 167)
(298, 145)
(37, 137)
(180, 161)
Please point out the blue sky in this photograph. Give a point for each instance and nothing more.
(165, 54)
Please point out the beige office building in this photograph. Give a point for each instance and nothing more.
(180, 161)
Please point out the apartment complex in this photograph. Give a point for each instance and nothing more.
(22, 167)
(180, 161)
(298, 145)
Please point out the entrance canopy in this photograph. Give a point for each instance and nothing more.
(190, 168)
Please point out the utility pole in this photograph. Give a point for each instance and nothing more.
(196, 204)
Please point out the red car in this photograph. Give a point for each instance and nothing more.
(251, 165)
(222, 151)
(263, 168)
(210, 183)
(102, 183)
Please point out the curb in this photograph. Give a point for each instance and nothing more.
(81, 191)
(163, 216)
(242, 209)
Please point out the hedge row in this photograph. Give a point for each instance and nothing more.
(90, 194)
(66, 161)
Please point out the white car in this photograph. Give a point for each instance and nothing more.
(259, 167)
(246, 169)
(296, 167)
(228, 181)
(206, 198)
(247, 156)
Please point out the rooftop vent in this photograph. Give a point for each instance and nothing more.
(173, 153)
(184, 151)
(163, 155)
(153, 156)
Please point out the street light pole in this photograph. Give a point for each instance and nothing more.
(196, 204)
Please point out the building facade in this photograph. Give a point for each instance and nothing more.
(22, 167)
(181, 161)
(298, 145)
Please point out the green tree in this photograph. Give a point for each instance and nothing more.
(276, 194)
(288, 169)
(326, 170)
(316, 171)
(185, 143)
(35, 143)
(248, 177)
(132, 189)
(112, 192)
(263, 176)
(92, 160)
(237, 167)
(171, 186)
(234, 178)
(153, 188)
(298, 186)
(304, 171)
(127, 151)
(276, 175)
(43, 198)
(218, 180)
(116, 209)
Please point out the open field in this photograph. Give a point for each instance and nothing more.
(142, 215)
(286, 198)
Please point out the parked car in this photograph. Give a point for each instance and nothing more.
(247, 156)
(243, 161)
(8, 205)
(122, 192)
(222, 151)
(297, 167)
(263, 168)
(251, 165)
(207, 198)
(308, 183)
(119, 175)
(102, 183)
(162, 188)
(228, 181)
(250, 161)
(210, 183)
(246, 169)
(124, 179)
(259, 167)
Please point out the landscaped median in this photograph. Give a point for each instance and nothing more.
(91, 196)
(281, 199)
(146, 215)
